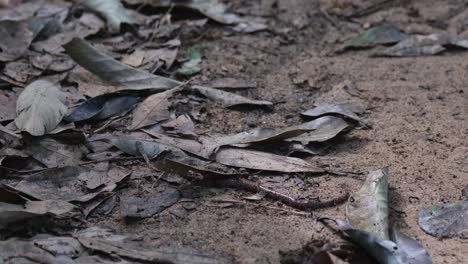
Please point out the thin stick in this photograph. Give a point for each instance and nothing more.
(310, 205)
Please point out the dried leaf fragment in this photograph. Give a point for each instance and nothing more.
(40, 108)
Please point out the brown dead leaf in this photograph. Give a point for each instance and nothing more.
(257, 160)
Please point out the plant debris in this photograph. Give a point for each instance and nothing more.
(448, 220)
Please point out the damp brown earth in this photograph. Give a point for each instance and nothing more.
(416, 111)
(417, 108)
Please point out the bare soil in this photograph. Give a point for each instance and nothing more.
(417, 108)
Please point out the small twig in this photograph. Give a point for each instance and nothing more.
(310, 205)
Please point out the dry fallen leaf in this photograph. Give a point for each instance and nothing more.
(112, 10)
(40, 108)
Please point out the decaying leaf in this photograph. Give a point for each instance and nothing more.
(416, 253)
(102, 107)
(40, 108)
(217, 11)
(227, 99)
(203, 147)
(196, 168)
(65, 184)
(381, 34)
(257, 160)
(182, 126)
(263, 135)
(112, 10)
(154, 109)
(135, 147)
(367, 209)
(16, 250)
(338, 109)
(448, 220)
(142, 207)
(327, 130)
(16, 38)
(106, 242)
(12, 215)
(129, 78)
(419, 45)
(53, 153)
(385, 251)
(113, 71)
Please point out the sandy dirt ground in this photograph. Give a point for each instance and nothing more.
(417, 108)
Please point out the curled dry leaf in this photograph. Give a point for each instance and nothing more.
(135, 147)
(143, 207)
(327, 130)
(257, 160)
(154, 109)
(419, 45)
(263, 135)
(112, 10)
(227, 99)
(448, 220)
(113, 71)
(40, 108)
(381, 34)
(367, 209)
(338, 109)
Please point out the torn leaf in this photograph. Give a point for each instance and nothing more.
(445, 221)
(330, 128)
(143, 207)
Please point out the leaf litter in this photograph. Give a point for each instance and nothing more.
(65, 183)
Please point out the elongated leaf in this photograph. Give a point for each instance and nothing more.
(135, 147)
(154, 109)
(102, 107)
(113, 71)
(40, 108)
(448, 220)
(419, 45)
(203, 147)
(367, 209)
(327, 130)
(112, 10)
(257, 160)
(129, 78)
(227, 99)
(381, 34)
(338, 109)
